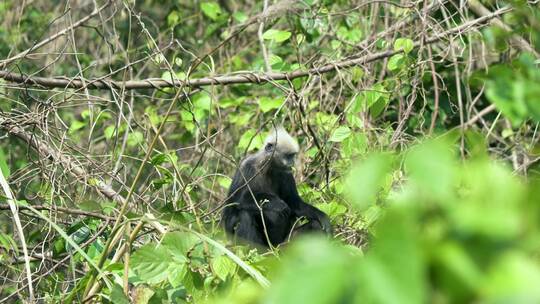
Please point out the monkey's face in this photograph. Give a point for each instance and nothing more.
(282, 157)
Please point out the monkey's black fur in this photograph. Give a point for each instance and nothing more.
(264, 182)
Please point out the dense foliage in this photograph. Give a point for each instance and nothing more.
(121, 123)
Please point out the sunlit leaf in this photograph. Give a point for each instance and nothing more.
(276, 35)
(150, 263)
(223, 266)
(404, 44)
(340, 134)
(211, 10)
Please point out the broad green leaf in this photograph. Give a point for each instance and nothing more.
(223, 266)
(79, 236)
(404, 44)
(353, 35)
(176, 273)
(250, 140)
(150, 263)
(170, 77)
(367, 178)
(433, 176)
(109, 131)
(314, 271)
(173, 18)
(276, 35)
(514, 278)
(211, 10)
(118, 296)
(8, 243)
(490, 204)
(275, 59)
(332, 209)
(75, 126)
(266, 103)
(203, 101)
(354, 145)
(340, 134)
(135, 138)
(357, 73)
(231, 102)
(396, 62)
(179, 243)
(455, 264)
(393, 269)
(240, 17)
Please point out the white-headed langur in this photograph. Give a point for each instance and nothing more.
(263, 204)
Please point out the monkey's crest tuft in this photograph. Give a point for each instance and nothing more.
(282, 140)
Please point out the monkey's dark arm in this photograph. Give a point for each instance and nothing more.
(289, 194)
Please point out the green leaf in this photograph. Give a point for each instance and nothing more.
(170, 77)
(179, 244)
(211, 10)
(241, 17)
(250, 136)
(340, 134)
(150, 263)
(314, 271)
(393, 269)
(176, 274)
(76, 125)
(367, 179)
(79, 236)
(266, 103)
(118, 296)
(223, 266)
(354, 145)
(159, 159)
(357, 73)
(173, 18)
(276, 35)
(404, 44)
(514, 278)
(8, 243)
(332, 209)
(434, 175)
(396, 62)
(178, 61)
(275, 60)
(109, 132)
(135, 138)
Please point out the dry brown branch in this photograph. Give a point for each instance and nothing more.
(3, 63)
(518, 41)
(70, 165)
(61, 209)
(244, 77)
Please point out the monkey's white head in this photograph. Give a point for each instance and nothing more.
(282, 147)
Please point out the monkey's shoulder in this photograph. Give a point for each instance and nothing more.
(249, 163)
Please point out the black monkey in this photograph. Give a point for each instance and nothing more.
(264, 185)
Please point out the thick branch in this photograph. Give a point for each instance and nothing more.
(519, 41)
(254, 77)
